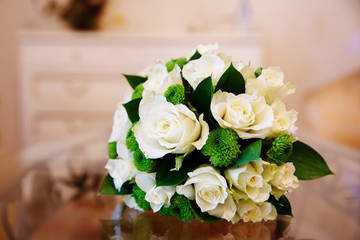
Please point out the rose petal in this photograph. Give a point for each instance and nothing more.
(145, 181)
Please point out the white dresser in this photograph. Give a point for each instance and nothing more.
(70, 82)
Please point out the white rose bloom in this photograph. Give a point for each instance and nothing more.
(248, 115)
(207, 65)
(226, 211)
(255, 212)
(245, 70)
(268, 211)
(284, 121)
(121, 125)
(270, 84)
(129, 200)
(159, 80)
(121, 170)
(127, 94)
(246, 182)
(156, 196)
(284, 178)
(207, 186)
(269, 170)
(123, 152)
(206, 49)
(166, 128)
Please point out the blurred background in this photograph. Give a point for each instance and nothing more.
(61, 60)
(61, 65)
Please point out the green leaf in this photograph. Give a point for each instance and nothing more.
(134, 80)
(108, 187)
(202, 216)
(282, 205)
(166, 176)
(179, 61)
(196, 55)
(132, 109)
(231, 81)
(202, 96)
(188, 89)
(250, 153)
(112, 150)
(309, 164)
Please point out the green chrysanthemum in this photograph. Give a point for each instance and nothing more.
(280, 150)
(175, 94)
(171, 64)
(165, 211)
(141, 162)
(131, 142)
(180, 207)
(112, 150)
(139, 196)
(138, 91)
(258, 72)
(222, 146)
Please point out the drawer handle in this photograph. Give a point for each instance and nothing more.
(77, 88)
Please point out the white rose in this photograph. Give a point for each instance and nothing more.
(284, 121)
(159, 79)
(166, 128)
(284, 178)
(156, 196)
(206, 49)
(121, 170)
(248, 115)
(123, 152)
(248, 210)
(270, 84)
(129, 200)
(206, 186)
(269, 170)
(226, 211)
(207, 65)
(245, 70)
(121, 125)
(246, 182)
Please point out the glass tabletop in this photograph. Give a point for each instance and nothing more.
(57, 199)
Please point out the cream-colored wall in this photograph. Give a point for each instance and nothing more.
(315, 42)
(9, 24)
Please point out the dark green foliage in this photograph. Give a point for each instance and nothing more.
(309, 164)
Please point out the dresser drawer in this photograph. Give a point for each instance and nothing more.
(63, 91)
(56, 125)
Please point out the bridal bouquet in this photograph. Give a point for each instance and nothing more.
(208, 137)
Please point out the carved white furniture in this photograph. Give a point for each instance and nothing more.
(71, 82)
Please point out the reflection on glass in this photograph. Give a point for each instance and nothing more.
(133, 224)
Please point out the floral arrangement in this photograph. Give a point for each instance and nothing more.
(208, 137)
